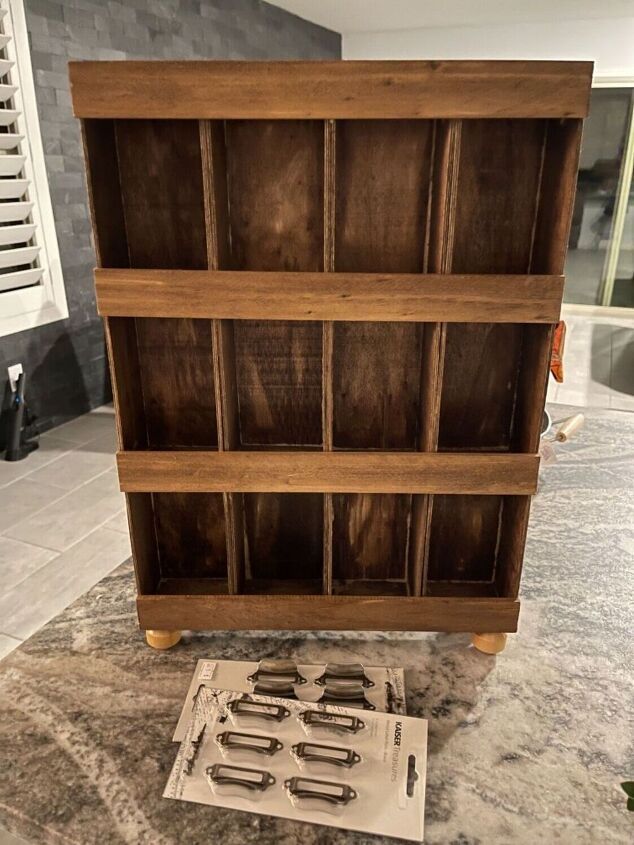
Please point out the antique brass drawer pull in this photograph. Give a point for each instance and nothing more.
(346, 695)
(249, 742)
(334, 793)
(279, 670)
(344, 672)
(311, 752)
(333, 721)
(282, 689)
(259, 709)
(254, 779)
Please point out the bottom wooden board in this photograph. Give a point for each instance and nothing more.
(338, 613)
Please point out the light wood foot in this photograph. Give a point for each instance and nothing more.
(489, 643)
(162, 640)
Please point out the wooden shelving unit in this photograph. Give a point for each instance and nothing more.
(329, 291)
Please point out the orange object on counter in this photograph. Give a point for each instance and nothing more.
(557, 353)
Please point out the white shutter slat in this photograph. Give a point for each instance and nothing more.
(13, 189)
(9, 140)
(11, 165)
(14, 211)
(16, 257)
(16, 234)
(6, 92)
(8, 116)
(31, 284)
(20, 279)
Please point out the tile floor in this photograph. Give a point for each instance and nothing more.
(62, 517)
(598, 362)
(62, 524)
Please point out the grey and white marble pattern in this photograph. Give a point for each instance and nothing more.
(528, 747)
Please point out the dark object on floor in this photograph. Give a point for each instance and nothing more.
(23, 434)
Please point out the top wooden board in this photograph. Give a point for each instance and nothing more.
(320, 90)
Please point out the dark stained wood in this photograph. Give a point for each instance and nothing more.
(331, 613)
(125, 376)
(358, 89)
(329, 472)
(161, 184)
(382, 192)
(372, 587)
(439, 247)
(143, 541)
(177, 382)
(328, 331)
(495, 218)
(275, 179)
(190, 535)
(160, 174)
(370, 537)
(278, 367)
(111, 246)
(561, 162)
(377, 297)
(214, 178)
(462, 543)
(285, 536)
(104, 193)
(311, 319)
(514, 524)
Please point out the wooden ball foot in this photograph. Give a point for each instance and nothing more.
(489, 643)
(162, 640)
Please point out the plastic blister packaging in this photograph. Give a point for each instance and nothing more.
(355, 685)
(352, 769)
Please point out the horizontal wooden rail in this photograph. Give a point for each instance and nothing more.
(334, 613)
(355, 89)
(377, 297)
(327, 472)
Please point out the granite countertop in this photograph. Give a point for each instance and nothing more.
(524, 748)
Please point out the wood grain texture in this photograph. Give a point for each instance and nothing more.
(370, 537)
(354, 89)
(104, 192)
(330, 613)
(177, 382)
(463, 540)
(354, 297)
(162, 194)
(160, 172)
(328, 331)
(495, 214)
(382, 192)
(275, 175)
(275, 179)
(330, 472)
(214, 179)
(284, 536)
(190, 534)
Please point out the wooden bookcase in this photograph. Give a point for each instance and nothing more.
(329, 291)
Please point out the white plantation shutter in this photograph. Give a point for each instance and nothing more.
(31, 283)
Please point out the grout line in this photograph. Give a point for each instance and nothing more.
(55, 501)
(11, 637)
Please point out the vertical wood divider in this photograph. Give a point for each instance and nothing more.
(438, 258)
(223, 355)
(330, 153)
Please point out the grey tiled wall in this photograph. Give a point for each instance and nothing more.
(66, 360)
